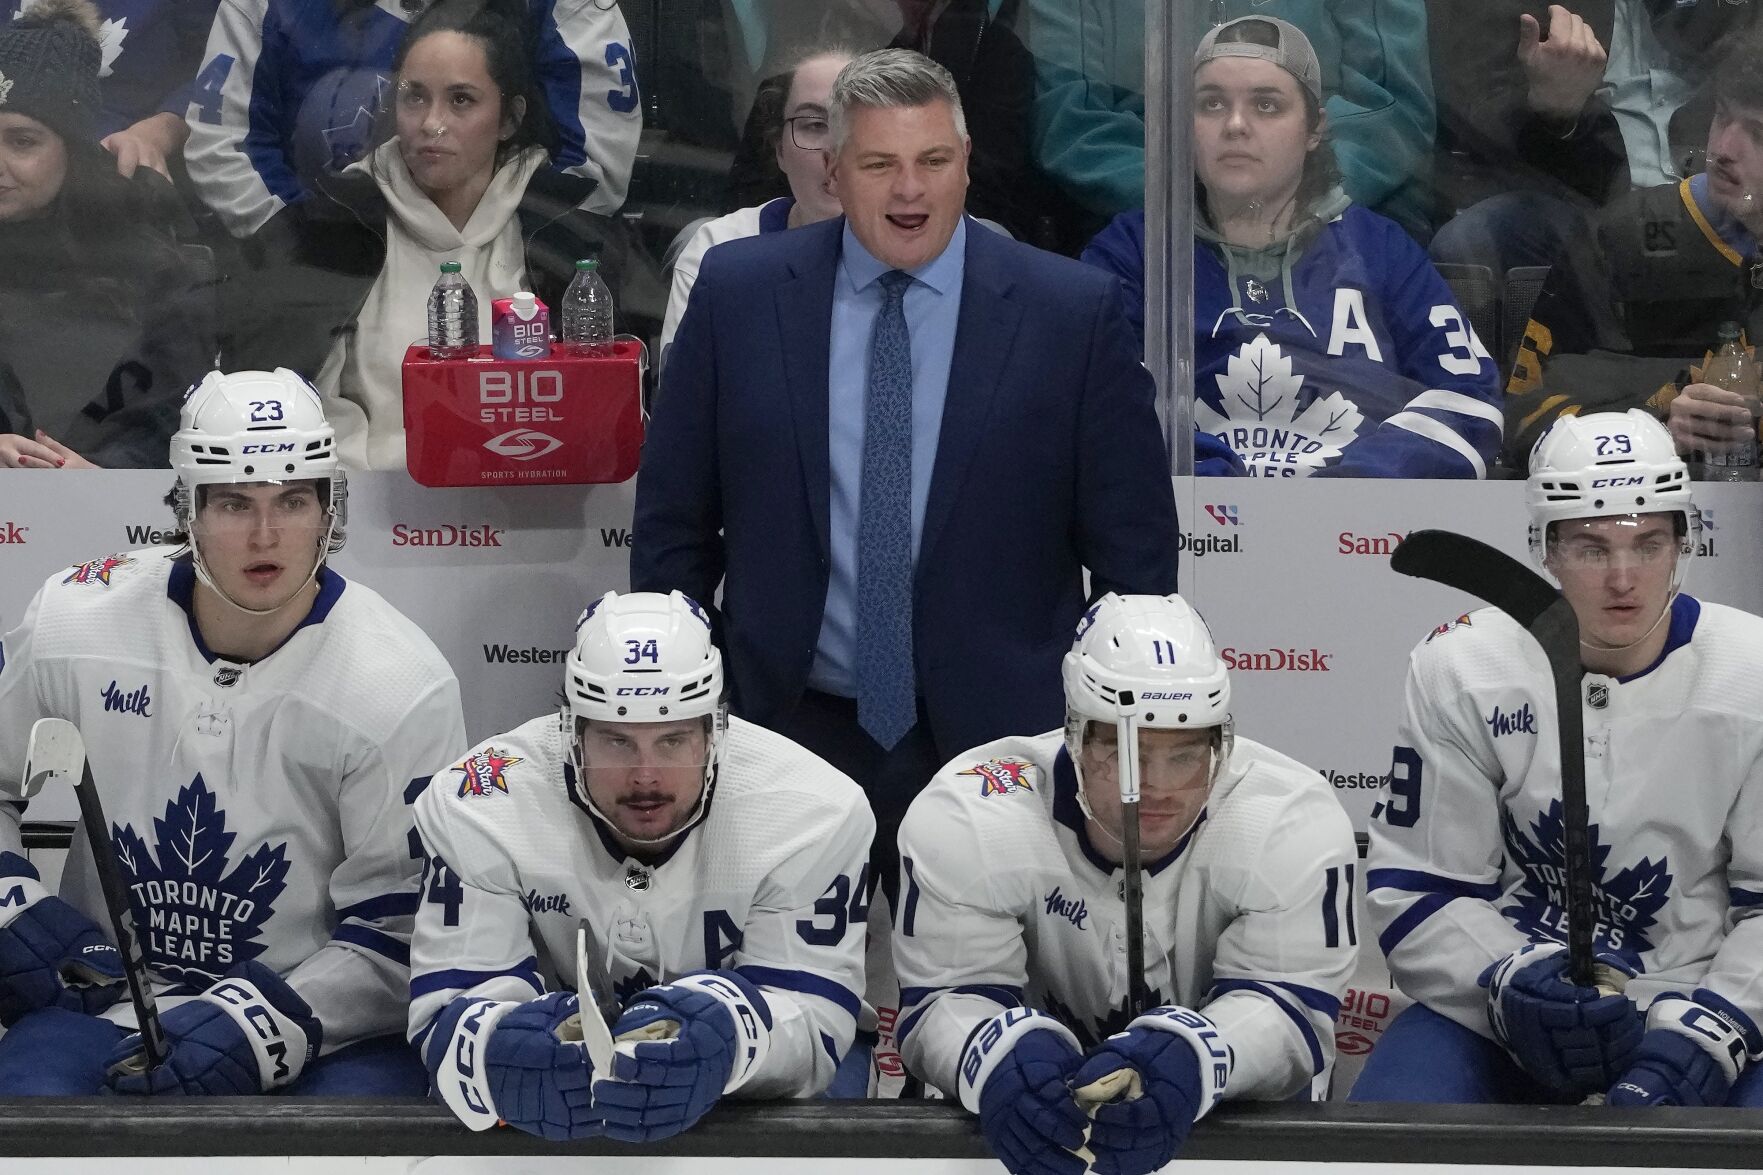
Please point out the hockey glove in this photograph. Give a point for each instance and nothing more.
(51, 955)
(681, 1047)
(1573, 1040)
(247, 1034)
(521, 1063)
(1175, 1067)
(1693, 1051)
(1014, 1073)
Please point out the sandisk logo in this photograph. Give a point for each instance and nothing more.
(523, 444)
(446, 536)
(1311, 660)
(12, 533)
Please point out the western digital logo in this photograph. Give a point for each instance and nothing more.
(147, 536)
(1312, 660)
(1223, 515)
(446, 536)
(530, 655)
(1348, 781)
(615, 536)
(1212, 544)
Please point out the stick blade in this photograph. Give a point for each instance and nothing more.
(1485, 572)
(56, 751)
(594, 990)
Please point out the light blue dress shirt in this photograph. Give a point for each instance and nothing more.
(932, 306)
(1643, 93)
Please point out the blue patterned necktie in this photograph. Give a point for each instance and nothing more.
(887, 692)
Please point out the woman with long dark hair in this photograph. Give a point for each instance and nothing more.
(105, 320)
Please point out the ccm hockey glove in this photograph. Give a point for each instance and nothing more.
(51, 955)
(1694, 1049)
(682, 1045)
(1014, 1074)
(1573, 1040)
(520, 1063)
(247, 1034)
(1148, 1085)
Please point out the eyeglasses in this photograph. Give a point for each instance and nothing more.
(810, 132)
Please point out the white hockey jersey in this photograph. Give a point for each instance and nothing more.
(1004, 902)
(1466, 859)
(773, 884)
(259, 811)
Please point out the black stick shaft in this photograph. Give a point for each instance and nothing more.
(1133, 893)
(122, 918)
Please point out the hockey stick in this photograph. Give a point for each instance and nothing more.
(1133, 884)
(599, 1006)
(1469, 565)
(56, 750)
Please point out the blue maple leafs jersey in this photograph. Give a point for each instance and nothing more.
(773, 884)
(290, 88)
(258, 811)
(1004, 902)
(1466, 857)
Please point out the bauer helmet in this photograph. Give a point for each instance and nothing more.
(645, 657)
(1159, 648)
(1607, 464)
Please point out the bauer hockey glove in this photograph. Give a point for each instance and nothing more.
(1694, 1049)
(1014, 1073)
(681, 1046)
(1573, 1040)
(1148, 1085)
(249, 1033)
(51, 955)
(519, 1063)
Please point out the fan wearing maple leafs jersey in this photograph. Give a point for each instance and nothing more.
(722, 869)
(1465, 876)
(257, 728)
(1325, 343)
(290, 89)
(1010, 938)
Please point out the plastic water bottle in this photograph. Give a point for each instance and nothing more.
(587, 313)
(1735, 369)
(452, 316)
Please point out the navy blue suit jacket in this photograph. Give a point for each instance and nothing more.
(1050, 459)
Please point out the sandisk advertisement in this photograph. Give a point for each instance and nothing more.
(566, 419)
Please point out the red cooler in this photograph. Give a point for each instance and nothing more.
(498, 422)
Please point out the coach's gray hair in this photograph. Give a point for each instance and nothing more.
(890, 77)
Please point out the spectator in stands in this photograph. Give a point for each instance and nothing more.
(1543, 119)
(1671, 263)
(151, 52)
(104, 319)
(797, 136)
(291, 89)
(463, 179)
(1325, 342)
(1089, 119)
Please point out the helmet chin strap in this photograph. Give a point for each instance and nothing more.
(201, 565)
(699, 810)
(1640, 640)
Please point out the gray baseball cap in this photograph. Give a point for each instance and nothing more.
(1266, 38)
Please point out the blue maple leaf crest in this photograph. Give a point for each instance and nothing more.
(1627, 903)
(631, 986)
(1091, 1030)
(197, 919)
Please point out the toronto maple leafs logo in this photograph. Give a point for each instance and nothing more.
(97, 570)
(1003, 776)
(633, 985)
(1627, 903)
(485, 772)
(198, 918)
(1265, 419)
(1092, 1030)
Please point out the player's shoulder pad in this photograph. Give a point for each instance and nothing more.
(999, 779)
(987, 813)
(376, 661)
(1271, 799)
(1728, 643)
(762, 767)
(106, 575)
(1473, 647)
(497, 785)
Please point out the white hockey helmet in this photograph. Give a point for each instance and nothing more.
(256, 426)
(645, 657)
(1607, 464)
(1159, 648)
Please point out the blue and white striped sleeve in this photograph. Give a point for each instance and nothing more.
(1433, 874)
(588, 74)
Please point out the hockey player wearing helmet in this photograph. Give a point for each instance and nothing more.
(1466, 866)
(257, 726)
(1010, 938)
(720, 868)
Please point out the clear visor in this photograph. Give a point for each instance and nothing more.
(628, 748)
(1630, 542)
(227, 511)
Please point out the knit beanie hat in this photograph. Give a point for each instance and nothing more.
(49, 62)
